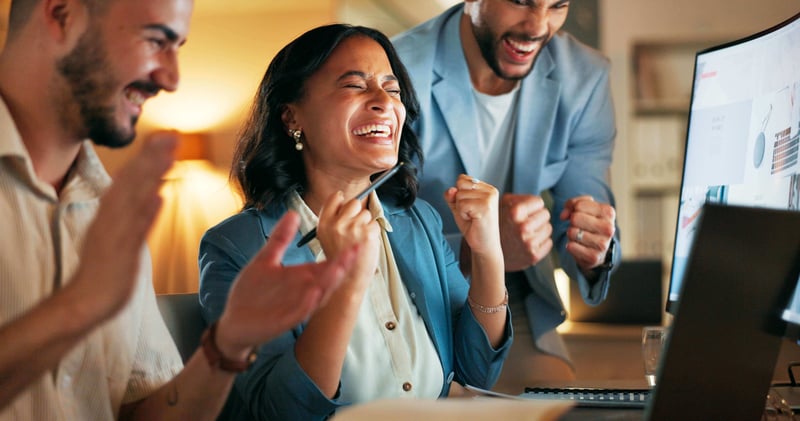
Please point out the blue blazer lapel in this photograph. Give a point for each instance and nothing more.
(293, 255)
(538, 100)
(421, 271)
(452, 92)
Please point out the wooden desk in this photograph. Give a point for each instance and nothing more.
(614, 352)
(603, 414)
(604, 351)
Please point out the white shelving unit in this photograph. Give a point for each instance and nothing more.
(662, 84)
(652, 46)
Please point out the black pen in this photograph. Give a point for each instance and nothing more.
(375, 184)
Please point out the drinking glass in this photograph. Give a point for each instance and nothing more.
(653, 338)
(777, 409)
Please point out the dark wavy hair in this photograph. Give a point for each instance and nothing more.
(266, 164)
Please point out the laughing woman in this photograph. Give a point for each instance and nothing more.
(329, 116)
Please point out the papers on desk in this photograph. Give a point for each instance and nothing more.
(455, 409)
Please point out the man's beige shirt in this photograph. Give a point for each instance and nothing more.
(121, 361)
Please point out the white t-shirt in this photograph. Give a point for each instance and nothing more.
(497, 119)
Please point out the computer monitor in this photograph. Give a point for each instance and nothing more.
(742, 142)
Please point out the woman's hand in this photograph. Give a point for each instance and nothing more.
(345, 224)
(475, 207)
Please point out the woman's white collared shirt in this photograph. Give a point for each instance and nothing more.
(390, 354)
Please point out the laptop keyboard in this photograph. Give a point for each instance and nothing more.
(592, 397)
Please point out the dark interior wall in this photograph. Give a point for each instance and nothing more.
(583, 22)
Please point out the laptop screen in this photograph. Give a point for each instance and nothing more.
(742, 140)
(725, 338)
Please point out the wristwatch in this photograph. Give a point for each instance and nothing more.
(608, 263)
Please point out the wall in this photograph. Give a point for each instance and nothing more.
(389, 16)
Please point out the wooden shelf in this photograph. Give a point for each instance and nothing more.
(663, 75)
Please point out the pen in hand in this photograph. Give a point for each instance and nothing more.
(375, 184)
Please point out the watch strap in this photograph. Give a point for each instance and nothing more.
(608, 262)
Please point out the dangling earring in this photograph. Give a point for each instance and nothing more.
(296, 134)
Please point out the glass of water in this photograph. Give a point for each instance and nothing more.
(653, 338)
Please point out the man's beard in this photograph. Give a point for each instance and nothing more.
(486, 43)
(88, 74)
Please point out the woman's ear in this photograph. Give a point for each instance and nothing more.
(288, 117)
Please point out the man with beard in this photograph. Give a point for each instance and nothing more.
(507, 99)
(81, 335)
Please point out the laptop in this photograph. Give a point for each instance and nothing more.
(725, 338)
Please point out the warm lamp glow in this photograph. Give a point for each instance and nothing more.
(562, 285)
(196, 196)
(193, 109)
(210, 95)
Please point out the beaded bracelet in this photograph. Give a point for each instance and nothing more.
(489, 310)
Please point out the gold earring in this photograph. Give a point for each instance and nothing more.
(296, 134)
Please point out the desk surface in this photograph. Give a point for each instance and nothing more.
(601, 330)
(603, 414)
(612, 351)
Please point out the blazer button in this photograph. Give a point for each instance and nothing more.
(407, 386)
(390, 325)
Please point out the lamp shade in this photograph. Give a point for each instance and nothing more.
(192, 146)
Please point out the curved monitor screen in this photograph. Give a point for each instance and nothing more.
(742, 143)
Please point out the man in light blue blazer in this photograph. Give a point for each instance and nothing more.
(543, 135)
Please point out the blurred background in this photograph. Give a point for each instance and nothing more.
(651, 45)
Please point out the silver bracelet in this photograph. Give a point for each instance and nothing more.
(489, 310)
